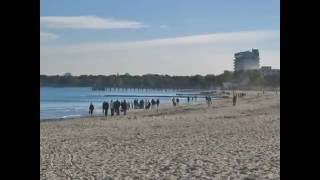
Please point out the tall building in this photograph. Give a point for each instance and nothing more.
(247, 60)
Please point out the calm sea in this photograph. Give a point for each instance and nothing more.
(56, 103)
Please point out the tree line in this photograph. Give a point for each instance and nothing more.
(248, 79)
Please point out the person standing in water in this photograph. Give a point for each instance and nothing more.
(91, 108)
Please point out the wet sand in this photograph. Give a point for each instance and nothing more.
(187, 142)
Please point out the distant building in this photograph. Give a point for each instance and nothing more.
(267, 71)
(247, 60)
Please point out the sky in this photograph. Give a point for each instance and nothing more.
(180, 37)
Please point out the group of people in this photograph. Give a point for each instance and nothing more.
(175, 101)
(116, 106)
(192, 98)
(145, 104)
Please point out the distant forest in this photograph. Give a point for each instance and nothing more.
(248, 79)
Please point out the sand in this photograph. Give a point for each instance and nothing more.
(188, 142)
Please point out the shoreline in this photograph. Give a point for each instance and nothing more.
(162, 105)
(100, 115)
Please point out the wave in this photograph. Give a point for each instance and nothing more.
(72, 116)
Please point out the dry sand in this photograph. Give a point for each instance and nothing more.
(188, 142)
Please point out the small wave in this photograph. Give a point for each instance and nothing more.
(71, 116)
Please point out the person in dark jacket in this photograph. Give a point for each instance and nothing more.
(124, 107)
(153, 103)
(106, 108)
(141, 104)
(234, 100)
(173, 101)
(158, 103)
(117, 107)
(91, 108)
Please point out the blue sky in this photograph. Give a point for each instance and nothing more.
(103, 24)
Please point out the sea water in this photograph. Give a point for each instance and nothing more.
(57, 103)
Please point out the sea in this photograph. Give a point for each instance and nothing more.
(64, 103)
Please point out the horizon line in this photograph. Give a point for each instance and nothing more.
(121, 74)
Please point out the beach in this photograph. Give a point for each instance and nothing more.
(186, 142)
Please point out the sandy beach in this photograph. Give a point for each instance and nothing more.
(186, 142)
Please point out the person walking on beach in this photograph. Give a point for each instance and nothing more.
(178, 101)
(124, 107)
(148, 105)
(158, 103)
(112, 107)
(106, 108)
(173, 101)
(141, 104)
(91, 108)
(234, 99)
(153, 103)
(117, 107)
(208, 100)
(135, 104)
(188, 99)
